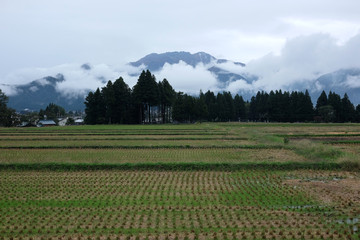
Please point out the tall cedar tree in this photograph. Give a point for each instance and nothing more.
(109, 101)
(95, 108)
(145, 95)
(334, 100)
(322, 101)
(348, 109)
(122, 108)
(8, 116)
(240, 108)
(166, 99)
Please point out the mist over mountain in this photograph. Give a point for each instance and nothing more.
(39, 93)
(67, 85)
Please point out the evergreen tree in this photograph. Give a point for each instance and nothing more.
(146, 94)
(122, 108)
(8, 116)
(167, 97)
(357, 113)
(326, 113)
(52, 112)
(229, 107)
(221, 107)
(334, 100)
(109, 101)
(90, 103)
(323, 111)
(100, 110)
(348, 109)
(322, 100)
(3, 108)
(308, 109)
(210, 101)
(201, 107)
(240, 108)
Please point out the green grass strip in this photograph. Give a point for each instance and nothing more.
(342, 142)
(316, 135)
(125, 138)
(148, 147)
(350, 166)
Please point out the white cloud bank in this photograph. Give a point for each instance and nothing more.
(188, 79)
(77, 80)
(301, 61)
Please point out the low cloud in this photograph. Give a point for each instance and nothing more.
(77, 79)
(8, 89)
(188, 79)
(301, 61)
(353, 82)
(240, 85)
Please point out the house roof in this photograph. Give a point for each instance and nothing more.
(47, 122)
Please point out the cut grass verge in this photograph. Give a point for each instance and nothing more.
(316, 151)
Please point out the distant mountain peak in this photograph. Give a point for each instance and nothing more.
(155, 61)
(86, 66)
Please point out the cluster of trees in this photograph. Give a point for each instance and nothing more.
(8, 116)
(333, 108)
(147, 102)
(52, 111)
(221, 107)
(276, 106)
(281, 106)
(151, 101)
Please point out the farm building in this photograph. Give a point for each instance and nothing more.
(46, 123)
(79, 121)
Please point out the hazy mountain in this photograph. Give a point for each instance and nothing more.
(39, 93)
(341, 81)
(155, 62)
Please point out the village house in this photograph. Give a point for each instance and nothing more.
(46, 123)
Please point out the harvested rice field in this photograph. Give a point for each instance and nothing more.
(177, 204)
(200, 181)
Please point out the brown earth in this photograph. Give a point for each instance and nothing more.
(344, 191)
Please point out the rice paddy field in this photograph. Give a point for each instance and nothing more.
(198, 181)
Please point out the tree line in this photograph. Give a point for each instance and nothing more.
(150, 101)
(7, 115)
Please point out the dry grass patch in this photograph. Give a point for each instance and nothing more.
(332, 188)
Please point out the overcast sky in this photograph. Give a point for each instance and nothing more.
(42, 34)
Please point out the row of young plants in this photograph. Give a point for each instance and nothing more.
(148, 156)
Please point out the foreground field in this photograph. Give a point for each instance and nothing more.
(200, 181)
(179, 205)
